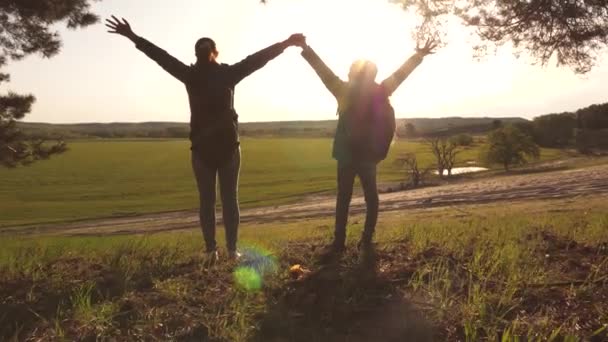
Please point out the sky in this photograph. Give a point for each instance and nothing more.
(100, 77)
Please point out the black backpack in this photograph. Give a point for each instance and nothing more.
(371, 135)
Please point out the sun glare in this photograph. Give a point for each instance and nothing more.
(450, 82)
(341, 32)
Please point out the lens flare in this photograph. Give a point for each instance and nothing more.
(256, 264)
(248, 279)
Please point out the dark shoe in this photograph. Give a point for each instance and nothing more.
(234, 256)
(212, 258)
(331, 252)
(367, 254)
(365, 244)
(335, 247)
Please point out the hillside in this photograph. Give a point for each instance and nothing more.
(424, 126)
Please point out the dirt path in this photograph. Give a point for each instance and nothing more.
(559, 184)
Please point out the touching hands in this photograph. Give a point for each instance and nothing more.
(122, 28)
(428, 48)
(296, 39)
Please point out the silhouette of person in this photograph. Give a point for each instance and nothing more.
(215, 149)
(353, 157)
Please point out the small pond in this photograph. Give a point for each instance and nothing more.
(461, 170)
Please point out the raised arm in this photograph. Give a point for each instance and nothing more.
(394, 81)
(333, 83)
(171, 64)
(257, 60)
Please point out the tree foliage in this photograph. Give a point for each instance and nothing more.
(573, 32)
(566, 129)
(555, 130)
(592, 128)
(594, 117)
(410, 130)
(27, 27)
(462, 139)
(509, 146)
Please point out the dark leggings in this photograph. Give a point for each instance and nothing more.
(346, 179)
(229, 182)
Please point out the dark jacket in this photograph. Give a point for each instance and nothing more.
(342, 148)
(210, 86)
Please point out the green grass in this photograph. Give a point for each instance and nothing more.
(117, 177)
(497, 272)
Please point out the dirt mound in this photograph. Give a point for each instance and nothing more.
(345, 298)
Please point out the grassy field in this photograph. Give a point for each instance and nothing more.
(532, 271)
(121, 177)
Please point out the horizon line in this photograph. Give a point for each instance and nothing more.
(253, 122)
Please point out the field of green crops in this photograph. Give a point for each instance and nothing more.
(121, 177)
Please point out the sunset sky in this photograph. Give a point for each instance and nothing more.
(100, 77)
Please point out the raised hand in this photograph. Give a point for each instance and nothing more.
(428, 47)
(122, 28)
(296, 39)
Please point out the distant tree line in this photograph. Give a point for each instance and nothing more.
(161, 130)
(585, 128)
(108, 133)
(508, 144)
(451, 126)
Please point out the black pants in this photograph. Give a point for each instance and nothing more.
(229, 182)
(346, 180)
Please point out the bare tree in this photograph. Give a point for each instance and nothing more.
(449, 150)
(445, 152)
(416, 174)
(434, 144)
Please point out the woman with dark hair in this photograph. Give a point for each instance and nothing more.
(213, 122)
